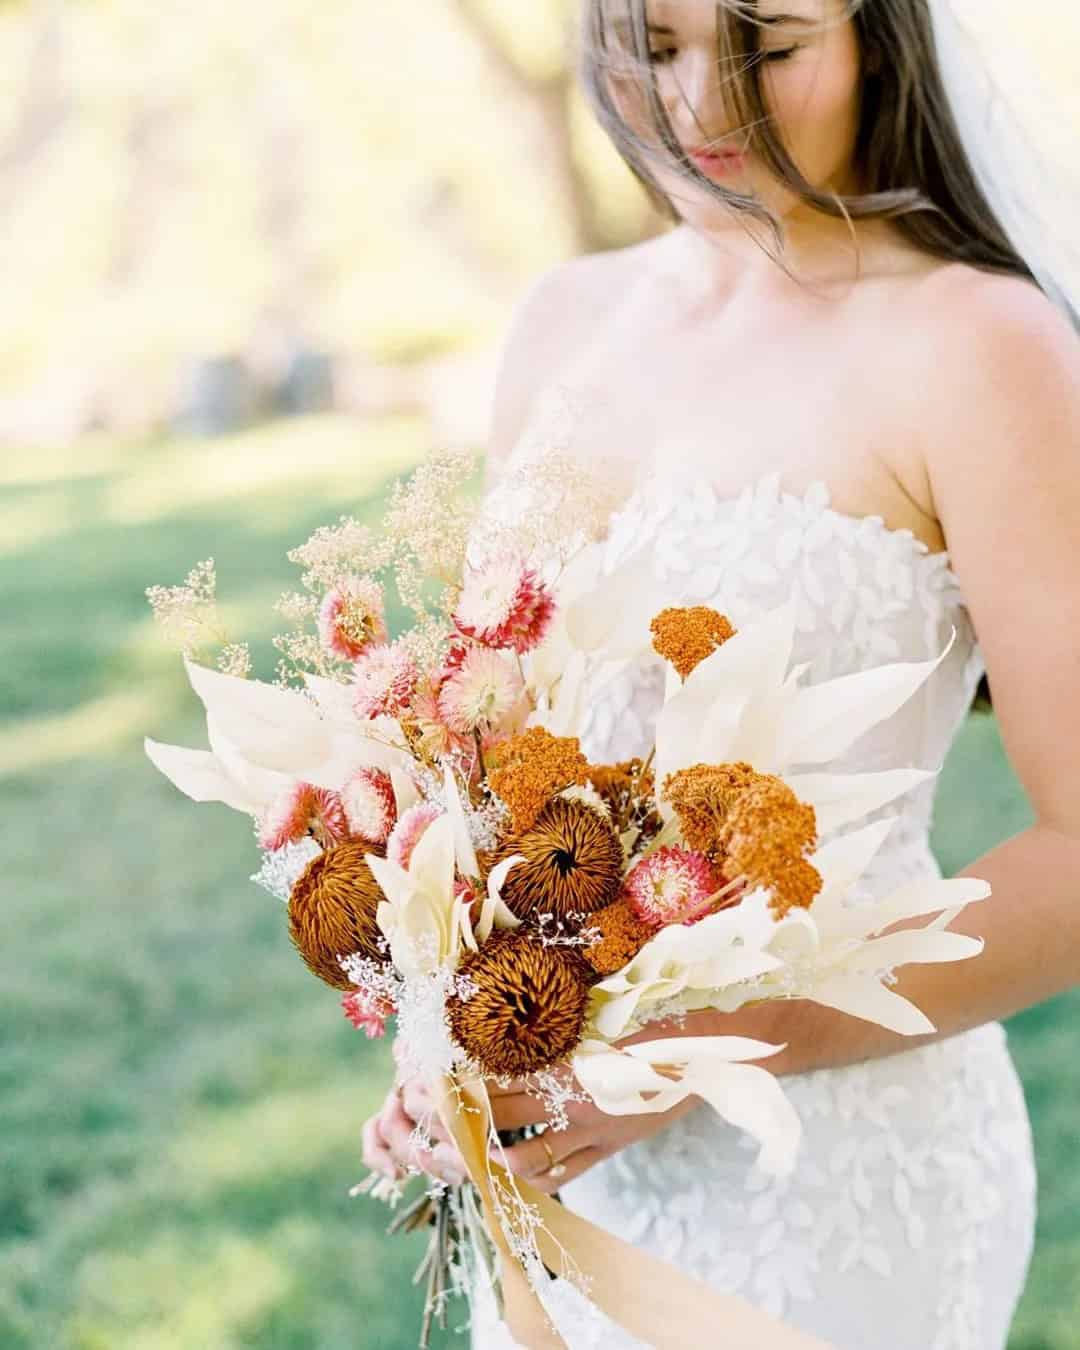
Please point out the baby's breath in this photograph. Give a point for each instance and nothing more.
(297, 607)
(235, 659)
(569, 505)
(336, 552)
(302, 652)
(188, 614)
(430, 516)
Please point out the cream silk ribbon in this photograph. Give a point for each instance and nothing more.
(650, 1299)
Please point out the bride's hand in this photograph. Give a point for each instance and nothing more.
(591, 1136)
(390, 1141)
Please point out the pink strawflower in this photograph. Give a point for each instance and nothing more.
(408, 831)
(351, 617)
(451, 663)
(301, 810)
(504, 604)
(433, 737)
(384, 678)
(370, 805)
(367, 1012)
(481, 693)
(671, 885)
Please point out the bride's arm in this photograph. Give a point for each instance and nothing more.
(1003, 455)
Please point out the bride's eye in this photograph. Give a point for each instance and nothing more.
(661, 55)
(782, 54)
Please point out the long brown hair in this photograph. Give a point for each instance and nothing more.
(909, 156)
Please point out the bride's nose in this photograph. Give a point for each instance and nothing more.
(698, 104)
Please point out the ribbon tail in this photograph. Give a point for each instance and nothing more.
(465, 1110)
(653, 1301)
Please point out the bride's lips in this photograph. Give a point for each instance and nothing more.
(718, 163)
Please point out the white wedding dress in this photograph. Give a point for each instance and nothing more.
(909, 1221)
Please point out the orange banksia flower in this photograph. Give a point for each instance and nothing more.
(685, 637)
(332, 912)
(620, 935)
(527, 1010)
(528, 770)
(573, 862)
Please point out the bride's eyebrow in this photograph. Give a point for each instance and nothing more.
(777, 20)
(622, 27)
(765, 20)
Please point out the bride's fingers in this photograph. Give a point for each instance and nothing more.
(398, 1129)
(374, 1150)
(512, 1112)
(572, 1153)
(448, 1164)
(533, 1157)
(575, 1165)
(418, 1104)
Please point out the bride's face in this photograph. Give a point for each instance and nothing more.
(811, 77)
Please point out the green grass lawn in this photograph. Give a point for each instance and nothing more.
(180, 1101)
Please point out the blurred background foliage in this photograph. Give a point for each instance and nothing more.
(366, 180)
(257, 258)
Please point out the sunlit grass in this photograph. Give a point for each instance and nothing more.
(329, 459)
(96, 727)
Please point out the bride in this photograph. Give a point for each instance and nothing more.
(832, 379)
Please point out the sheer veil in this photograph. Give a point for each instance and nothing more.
(1012, 76)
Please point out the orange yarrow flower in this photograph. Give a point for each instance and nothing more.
(617, 935)
(752, 826)
(766, 837)
(529, 769)
(685, 637)
(703, 796)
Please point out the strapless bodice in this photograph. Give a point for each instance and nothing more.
(864, 595)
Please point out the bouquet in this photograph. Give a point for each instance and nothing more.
(451, 857)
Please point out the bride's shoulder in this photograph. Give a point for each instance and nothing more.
(995, 314)
(577, 289)
(983, 339)
(994, 367)
(556, 313)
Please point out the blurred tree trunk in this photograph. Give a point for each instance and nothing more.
(546, 100)
(46, 104)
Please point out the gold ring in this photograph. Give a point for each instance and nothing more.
(555, 1169)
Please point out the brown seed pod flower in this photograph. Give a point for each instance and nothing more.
(527, 1010)
(528, 770)
(628, 789)
(332, 912)
(685, 637)
(573, 862)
